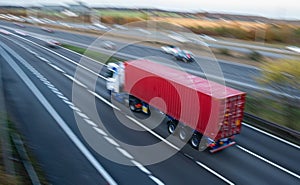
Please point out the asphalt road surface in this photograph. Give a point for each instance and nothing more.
(54, 112)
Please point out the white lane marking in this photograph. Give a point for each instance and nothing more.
(149, 130)
(90, 122)
(61, 96)
(68, 102)
(271, 135)
(44, 59)
(153, 133)
(111, 141)
(269, 162)
(104, 100)
(57, 68)
(156, 180)
(215, 173)
(158, 136)
(82, 115)
(125, 153)
(100, 131)
(53, 113)
(76, 81)
(141, 167)
(62, 56)
(122, 151)
(74, 108)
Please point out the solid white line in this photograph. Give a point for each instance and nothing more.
(53, 113)
(90, 122)
(156, 180)
(100, 131)
(271, 135)
(215, 173)
(125, 153)
(111, 141)
(269, 162)
(76, 81)
(141, 167)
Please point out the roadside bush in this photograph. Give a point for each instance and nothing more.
(256, 56)
(224, 51)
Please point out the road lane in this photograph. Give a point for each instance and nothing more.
(244, 171)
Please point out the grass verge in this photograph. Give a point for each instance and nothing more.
(20, 176)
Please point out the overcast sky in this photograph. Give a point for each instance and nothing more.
(284, 9)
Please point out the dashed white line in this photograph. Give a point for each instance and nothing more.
(111, 141)
(141, 167)
(153, 133)
(271, 135)
(125, 153)
(56, 68)
(66, 100)
(269, 162)
(61, 96)
(104, 100)
(215, 173)
(156, 180)
(76, 63)
(52, 111)
(74, 108)
(44, 59)
(90, 122)
(100, 131)
(76, 81)
(82, 115)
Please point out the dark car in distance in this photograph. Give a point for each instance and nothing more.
(184, 56)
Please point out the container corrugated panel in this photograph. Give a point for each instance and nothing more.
(212, 109)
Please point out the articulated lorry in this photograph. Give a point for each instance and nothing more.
(204, 113)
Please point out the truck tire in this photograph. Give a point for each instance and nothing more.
(132, 107)
(195, 141)
(183, 134)
(172, 127)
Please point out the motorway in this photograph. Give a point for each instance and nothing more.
(232, 73)
(239, 76)
(65, 134)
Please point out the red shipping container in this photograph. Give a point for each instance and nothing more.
(210, 108)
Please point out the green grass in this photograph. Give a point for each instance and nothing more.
(100, 57)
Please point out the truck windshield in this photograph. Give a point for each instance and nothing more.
(110, 74)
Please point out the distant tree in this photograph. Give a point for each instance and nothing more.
(284, 77)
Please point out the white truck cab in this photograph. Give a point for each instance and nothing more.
(115, 77)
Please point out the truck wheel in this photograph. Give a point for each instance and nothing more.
(132, 107)
(183, 134)
(171, 127)
(195, 141)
